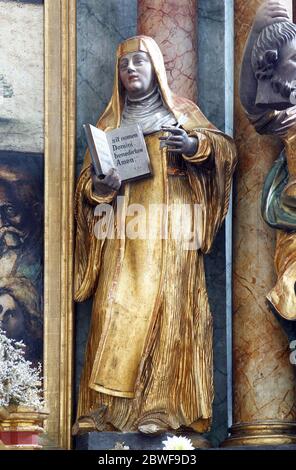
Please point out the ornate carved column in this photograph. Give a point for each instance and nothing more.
(264, 381)
(173, 25)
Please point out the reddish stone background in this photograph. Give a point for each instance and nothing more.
(173, 24)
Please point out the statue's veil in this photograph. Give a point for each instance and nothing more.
(111, 117)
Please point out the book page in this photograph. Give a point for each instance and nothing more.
(102, 148)
(129, 152)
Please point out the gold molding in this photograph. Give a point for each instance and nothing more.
(60, 122)
(262, 433)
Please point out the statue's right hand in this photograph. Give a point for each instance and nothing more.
(270, 12)
(111, 182)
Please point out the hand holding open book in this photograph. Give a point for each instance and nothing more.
(111, 182)
(123, 149)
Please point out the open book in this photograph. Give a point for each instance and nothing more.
(123, 148)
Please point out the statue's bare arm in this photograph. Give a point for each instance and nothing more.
(270, 12)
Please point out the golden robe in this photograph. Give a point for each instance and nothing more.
(149, 358)
(280, 187)
(283, 295)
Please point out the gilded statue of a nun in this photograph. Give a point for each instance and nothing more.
(149, 358)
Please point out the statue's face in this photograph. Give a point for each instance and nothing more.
(136, 74)
(275, 93)
(286, 67)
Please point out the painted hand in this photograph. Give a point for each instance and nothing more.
(109, 183)
(179, 142)
(270, 12)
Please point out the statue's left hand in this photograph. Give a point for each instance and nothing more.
(179, 142)
(271, 11)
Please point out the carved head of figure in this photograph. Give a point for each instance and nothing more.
(137, 74)
(274, 65)
(140, 68)
(141, 86)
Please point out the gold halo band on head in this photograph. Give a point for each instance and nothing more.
(131, 45)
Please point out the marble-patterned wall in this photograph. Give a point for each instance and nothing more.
(264, 384)
(100, 26)
(211, 60)
(211, 91)
(173, 24)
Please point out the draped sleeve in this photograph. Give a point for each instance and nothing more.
(88, 248)
(273, 122)
(210, 172)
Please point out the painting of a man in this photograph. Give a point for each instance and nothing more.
(20, 221)
(21, 315)
(21, 250)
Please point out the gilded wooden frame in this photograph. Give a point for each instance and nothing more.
(60, 110)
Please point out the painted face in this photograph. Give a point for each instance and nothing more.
(14, 221)
(287, 61)
(11, 317)
(136, 74)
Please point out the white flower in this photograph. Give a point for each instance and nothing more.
(178, 443)
(20, 383)
(121, 446)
